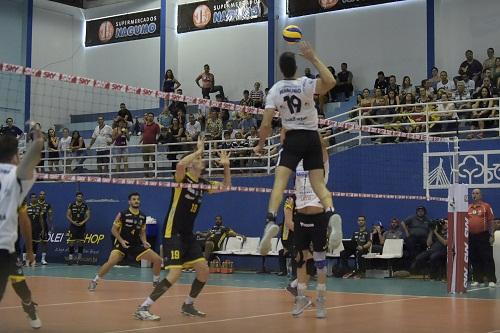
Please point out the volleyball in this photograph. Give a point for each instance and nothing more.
(292, 34)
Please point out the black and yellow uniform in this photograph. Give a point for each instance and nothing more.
(179, 244)
(34, 213)
(218, 234)
(78, 214)
(131, 225)
(44, 213)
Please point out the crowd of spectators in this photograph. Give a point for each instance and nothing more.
(473, 81)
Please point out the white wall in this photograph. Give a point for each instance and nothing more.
(390, 37)
(462, 25)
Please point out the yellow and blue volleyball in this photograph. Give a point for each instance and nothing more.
(292, 34)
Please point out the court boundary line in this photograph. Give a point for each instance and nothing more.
(267, 288)
(260, 316)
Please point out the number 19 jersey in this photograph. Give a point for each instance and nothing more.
(294, 100)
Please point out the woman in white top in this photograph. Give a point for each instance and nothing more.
(407, 87)
(64, 144)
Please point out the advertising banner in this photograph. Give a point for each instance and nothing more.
(301, 7)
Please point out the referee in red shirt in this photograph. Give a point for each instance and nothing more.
(480, 216)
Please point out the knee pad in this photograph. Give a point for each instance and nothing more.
(320, 261)
(299, 259)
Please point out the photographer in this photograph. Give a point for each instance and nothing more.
(435, 255)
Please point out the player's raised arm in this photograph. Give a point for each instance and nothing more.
(265, 129)
(326, 81)
(32, 156)
(180, 170)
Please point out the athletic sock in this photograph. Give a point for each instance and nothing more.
(294, 283)
(301, 289)
(156, 278)
(24, 256)
(147, 303)
(321, 289)
(96, 278)
(189, 300)
(43, 256)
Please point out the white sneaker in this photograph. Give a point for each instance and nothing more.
(335, 225)
(270, 231)
(32, 313)
(492, 284)
(92, 285)
(474, 284)
(142, 313)
(44, 262)
(301, 304)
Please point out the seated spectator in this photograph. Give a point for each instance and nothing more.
(216, 237)
(381, 82)
(307, 73)
(394, 231)
(425, 90)
(489, 63)
(486, 84)
(11, 129)
(462, 94)
(246, 101)
(252, 136)
(193, 129)
(434, 258)
(392, 99)
(229, 129)
(214, 127)
(470, 85)
(247, 122)
(434, 79)
(449, 112)
(487, 73)
(496, 73)
(181, 117)
(242, 150)
(392, 85)
(407, 87)
(165, 118)
(344, 82)
(416, 229)
(376, 237)
(53, 148)
(166, 136)
(177, 130)
(208, 83)
(378, 100)
(445, 84)
(226, 143)
(257, 96)
(360, 244)
(365, 100)
(471, 67)
(170, 83)
(485, 109)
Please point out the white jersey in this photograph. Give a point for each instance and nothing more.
(305, 196)
(12, 193)
(294, 99)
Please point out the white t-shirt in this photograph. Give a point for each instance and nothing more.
(450, 85)
(64, 143)
(193, 129)
(294, 99)
(12, 192)
(102, 136)
(305, 196)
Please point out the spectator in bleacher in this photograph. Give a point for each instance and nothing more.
(266, 92)
(181, 117)
(149, 138)
(487, 73)
(11, 129)
(393, 100)
(170, 83)
(365, 100)
(462, 94)
(64, 147)
(434, 79)
(230, 130)
(381, 82)
(176, 106)
(445, 84)
(376, 236)
(485, 109)
(252, 136)
(125, 114)
(246, 101)
(208, 83)
(121, 137)
(489, 63)
(102, 138)
(378, 100)
(480, 216)
(470, 85)
(394, 231)
(226, 142)
(434, 258)
(216, 237)
(214, 127)
(360, 244)
(495, 73)
(177, 130)
(193, 129)
(165, 118)
(53, 148)
(247, 122)
(471, 67)
(308, 74)
(416, 229)
(344, 82)
(449, 114)
(77, 147)
(486, 84)
(257, 95)
(407, 87)
(392, 85)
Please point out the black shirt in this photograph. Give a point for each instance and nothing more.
(381, 84)
(12, 131)
(78, 212)
(44, 210)
(125, 112)
(131, 225)
(219, 233)
(34, 212)
(360, 238)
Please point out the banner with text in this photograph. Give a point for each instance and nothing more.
(219, 13)
(123, 28)
(301, 7)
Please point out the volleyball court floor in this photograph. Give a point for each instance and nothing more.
(245, 302)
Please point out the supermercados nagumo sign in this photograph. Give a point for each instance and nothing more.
(219, 13)
(123, 28)
(308, 7)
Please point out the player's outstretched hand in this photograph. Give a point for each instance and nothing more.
(258, 150)
(307, 51)
(200, 145)
(224, 158)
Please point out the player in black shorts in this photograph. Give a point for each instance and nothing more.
(78, 214)
(293, 98)
(34, 213)
(180, 248)
(129, 230)
(47, 223)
